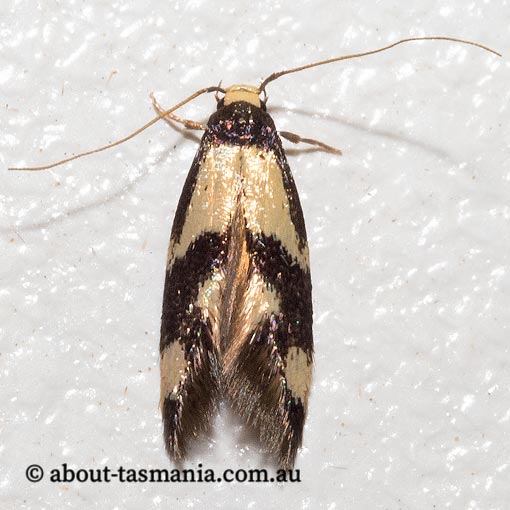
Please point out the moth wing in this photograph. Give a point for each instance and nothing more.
(189, 357)
(267, 363)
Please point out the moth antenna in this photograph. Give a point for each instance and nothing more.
(216, 94)
(279, 74)
(162, 114)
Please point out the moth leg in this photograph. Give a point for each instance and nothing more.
(190, 124)
(292, 137)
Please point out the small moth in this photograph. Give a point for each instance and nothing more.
(237, 305)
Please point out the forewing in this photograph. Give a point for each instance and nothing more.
(189, 350)
(267, 364)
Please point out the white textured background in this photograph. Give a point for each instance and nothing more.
(409, 237)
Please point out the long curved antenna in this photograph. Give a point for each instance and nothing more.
(126, 138)
(279, 74)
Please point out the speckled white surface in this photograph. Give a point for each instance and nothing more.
(408, 232)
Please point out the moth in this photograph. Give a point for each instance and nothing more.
(237, 306)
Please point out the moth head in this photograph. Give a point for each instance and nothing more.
(246, 93)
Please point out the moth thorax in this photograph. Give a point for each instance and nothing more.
(246, 93)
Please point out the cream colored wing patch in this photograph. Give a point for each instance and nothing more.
(213, 199)
(266, 203)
